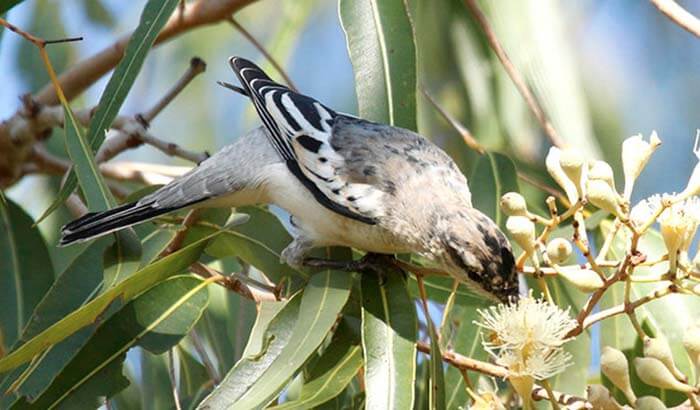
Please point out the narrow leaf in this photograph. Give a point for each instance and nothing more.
(382, 50)
(155, 15)
(336, 368)
(389, 327)
(157, 320)
(90, 312)
(26, 271)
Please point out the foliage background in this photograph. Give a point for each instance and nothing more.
(603, 70)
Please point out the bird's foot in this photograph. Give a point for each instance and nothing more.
(371, 261)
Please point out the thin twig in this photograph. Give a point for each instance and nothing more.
(262, 50)
(458, 126)
(197, 66)
(678, 15)
(173, 381)
(513, 73)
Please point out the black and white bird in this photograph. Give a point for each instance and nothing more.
(345, 181)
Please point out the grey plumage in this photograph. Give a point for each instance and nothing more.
(346, 181)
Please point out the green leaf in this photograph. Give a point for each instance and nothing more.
(155, 15)
(156, 320)
(259, 242)
(193, 374)
(26, 271)
(8, 4)
(121, 259)
(98, 13)
(382, 50)
(96, 192)
(90, 312)
(335, 369)
(322, 300)
(389, 327)
(74, 287)
(271, 333)
(495, 175)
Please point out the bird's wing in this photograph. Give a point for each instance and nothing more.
(300, 129)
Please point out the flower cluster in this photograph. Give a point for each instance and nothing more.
(527, 338)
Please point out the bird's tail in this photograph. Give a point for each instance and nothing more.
(95, 224)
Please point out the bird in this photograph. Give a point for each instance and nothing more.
(344, 180)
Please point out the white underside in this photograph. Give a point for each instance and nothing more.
(318, 224)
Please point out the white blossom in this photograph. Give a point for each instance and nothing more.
(527, 337)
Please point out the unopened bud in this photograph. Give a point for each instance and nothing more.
(599, 396)
(559, 250)
(649, 403)
(691, 342)
(486, 401)
(572, 164)
(602, 196)
(655, 374)
(522, 230)
(585, 280)
(614, 365)
(658, 348)
(635, 155)
(513, 204)
(601, 170)
(553, 164)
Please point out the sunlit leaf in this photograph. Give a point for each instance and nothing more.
(119, 295)
(335, 368)
(382, 50)
(389, 328)
(156, 320)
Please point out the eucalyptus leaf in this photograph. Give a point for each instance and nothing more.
(495, 175)
(90, 312)
(155, 15)
(382, 50)
(157, 319)
(389, 328)
(26, 271)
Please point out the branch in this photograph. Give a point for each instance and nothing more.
(467, 363)
(80, 76)
(459, 127)
(514, 74)
(678, 15)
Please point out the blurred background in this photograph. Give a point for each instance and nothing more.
(602, 70)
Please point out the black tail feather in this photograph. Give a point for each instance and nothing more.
(97, 224)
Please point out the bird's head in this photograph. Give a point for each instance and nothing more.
(476, 251)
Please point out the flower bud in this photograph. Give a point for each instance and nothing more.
(559, 250)
(614, 365)
(572, 164)
(601, 195)
(649, 403)
(658, 348)
(635, 155)
(654, 373)
(486, 401)
(691, 342)
(585, 280)
(523, 232)
(553, 164)
(601, 170)
(599, 396)
(513, 204)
